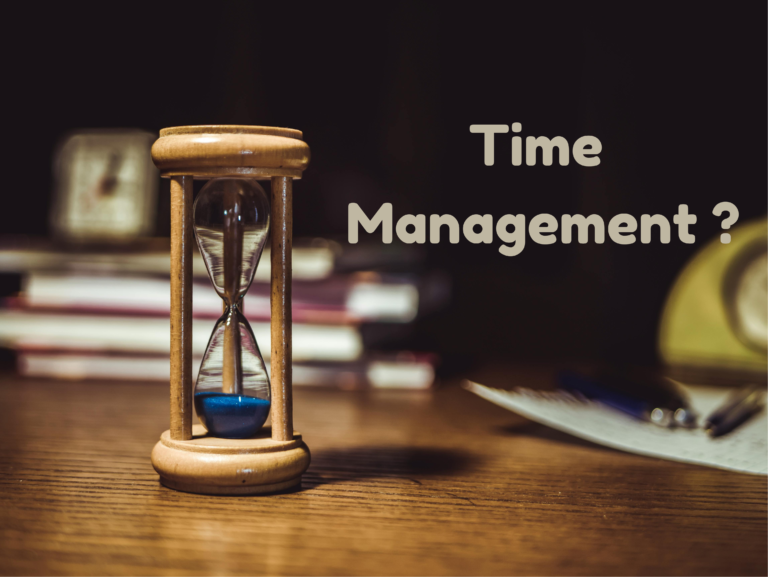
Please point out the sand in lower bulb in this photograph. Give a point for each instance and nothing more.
(231, 416)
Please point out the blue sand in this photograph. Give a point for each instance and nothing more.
(231, 416)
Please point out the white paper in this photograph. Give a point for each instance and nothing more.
(743, 449)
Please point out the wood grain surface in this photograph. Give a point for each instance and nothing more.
(400, 483)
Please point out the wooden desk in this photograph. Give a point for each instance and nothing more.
(399, 484)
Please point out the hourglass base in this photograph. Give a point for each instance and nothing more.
(215, 466)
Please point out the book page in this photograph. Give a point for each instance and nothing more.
(743, 449)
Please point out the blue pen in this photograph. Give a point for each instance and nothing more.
(671, 411)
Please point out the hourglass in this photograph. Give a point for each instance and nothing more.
(231, 452)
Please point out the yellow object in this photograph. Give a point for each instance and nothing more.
(700, 326)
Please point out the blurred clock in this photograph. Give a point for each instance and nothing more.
(106, 186)
(746, 296)
(715, 321)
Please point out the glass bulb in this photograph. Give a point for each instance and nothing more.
(231, 221)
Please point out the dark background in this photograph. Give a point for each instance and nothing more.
(385, 94)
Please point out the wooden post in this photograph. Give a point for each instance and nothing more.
(181, 307)
(280, 360)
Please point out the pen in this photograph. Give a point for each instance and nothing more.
(646, 399)
(737, 409)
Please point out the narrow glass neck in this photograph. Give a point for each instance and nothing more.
(232, 364)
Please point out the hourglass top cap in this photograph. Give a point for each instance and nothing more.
(212, 151)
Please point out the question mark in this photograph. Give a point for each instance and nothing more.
(733, 216)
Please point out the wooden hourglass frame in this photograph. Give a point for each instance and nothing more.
(186, 457)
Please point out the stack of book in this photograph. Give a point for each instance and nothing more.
(105, 314)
